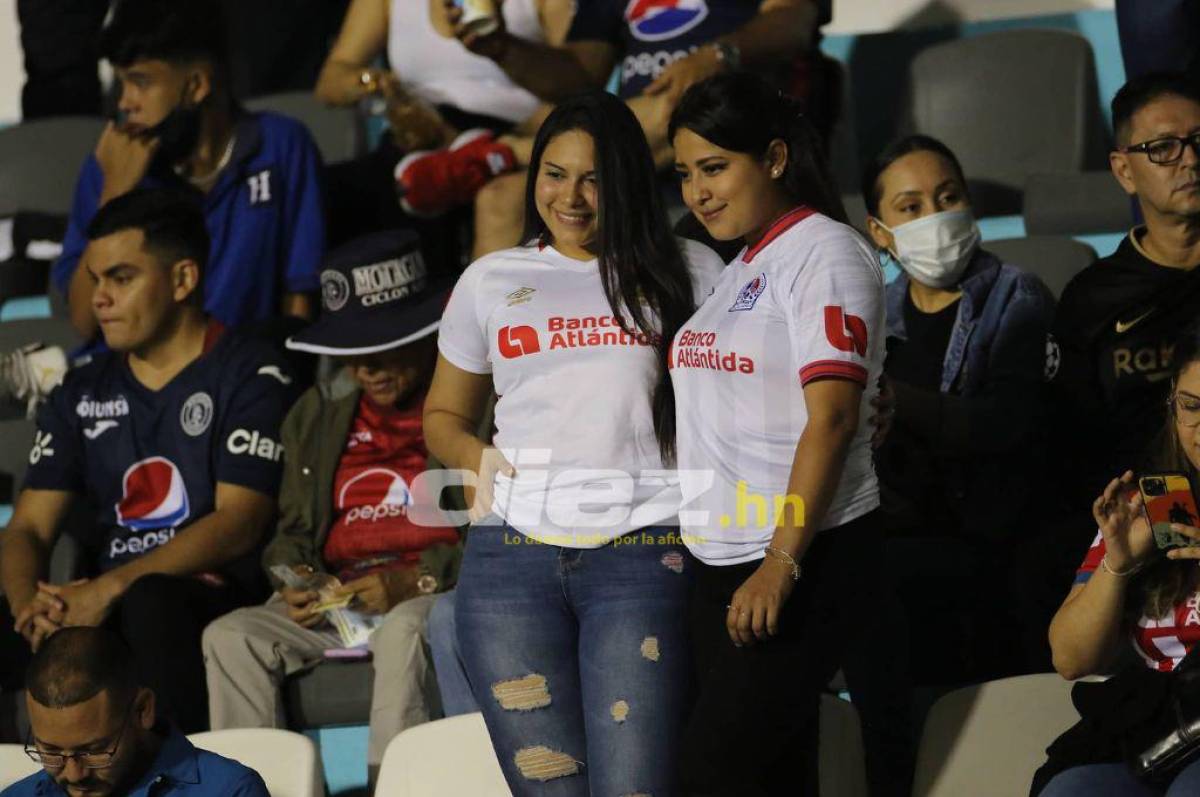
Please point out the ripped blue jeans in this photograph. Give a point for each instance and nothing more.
(578, 659)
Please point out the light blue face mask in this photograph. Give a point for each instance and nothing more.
(934, 250)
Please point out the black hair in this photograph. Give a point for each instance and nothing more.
(872, 191)
(77, 663)
(176, 31)
(1139, 92)
(741, 112)
(643, 272)
(171, 220)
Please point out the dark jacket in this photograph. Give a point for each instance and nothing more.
(966, 447)
(314, 436)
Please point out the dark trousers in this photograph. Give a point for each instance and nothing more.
(161, 618)
(59, 39)
(753, 728)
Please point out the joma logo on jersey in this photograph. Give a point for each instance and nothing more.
(517, 341)
(845, 332)
(253, 444)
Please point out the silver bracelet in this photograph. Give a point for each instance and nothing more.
(787, 559)
(1118, 573)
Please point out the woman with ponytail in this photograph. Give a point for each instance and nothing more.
(786, 532)
(571, 598)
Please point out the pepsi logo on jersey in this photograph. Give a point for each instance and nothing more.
(153, 496)
(373, 495)
(656, 20)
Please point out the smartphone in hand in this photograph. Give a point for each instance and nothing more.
(1168, 499)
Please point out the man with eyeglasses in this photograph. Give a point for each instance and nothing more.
(1118, 318)
(93, 730)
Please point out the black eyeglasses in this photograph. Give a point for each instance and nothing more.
(1167, 149)
(89, 759)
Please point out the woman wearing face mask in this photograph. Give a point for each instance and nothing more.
(570, 604)
(773, 377)
(966, 356)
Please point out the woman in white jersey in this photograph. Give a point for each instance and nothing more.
(773, 378)
(436, 94)
(571, 600)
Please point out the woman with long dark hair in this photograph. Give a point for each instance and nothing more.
(773, 379)
(570, 606)
(1128, 594)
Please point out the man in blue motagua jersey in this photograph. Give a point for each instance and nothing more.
(173, 440)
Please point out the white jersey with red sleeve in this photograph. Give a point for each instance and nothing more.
(1162, 642)
(574, 413)
(805, 303)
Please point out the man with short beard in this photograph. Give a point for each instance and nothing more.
(95, 732)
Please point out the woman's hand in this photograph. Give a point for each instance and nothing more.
(491, 45)
(1128, 540)
(753, 613)
(491, 463)
(1190, 552)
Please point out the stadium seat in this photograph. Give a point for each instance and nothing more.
(1056, 259)
(988, 740)
(1010, 104)
(287, 761)
(454, 756)
(339, 132)
(1076, 204)
(40, 162)
(14, 764)
(16, 437)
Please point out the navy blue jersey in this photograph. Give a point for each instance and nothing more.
(652, 34)
(150, 460)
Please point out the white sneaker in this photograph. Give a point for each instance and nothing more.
(31, 372)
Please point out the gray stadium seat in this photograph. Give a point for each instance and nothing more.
(16, 438)
(1053, 258)
(1010, 104)
(339, 132)
(1076, 204)
(988, 740)
(40, 162)
(332, 693)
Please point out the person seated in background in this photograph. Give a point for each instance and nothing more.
(966, 360)
(1130, 595)
(256, 174)
(432, 90)
(95, 730)
(173, 439)
(352, 503)
(659, 51)
(1117, 318)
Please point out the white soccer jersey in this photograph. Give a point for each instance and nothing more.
(805, 303)
(574, 414)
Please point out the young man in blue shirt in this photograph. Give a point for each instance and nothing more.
(172, 437)
(95, 732)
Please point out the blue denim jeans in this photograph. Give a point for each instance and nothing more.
(578, 659)
(1115, 780)
(457, 697)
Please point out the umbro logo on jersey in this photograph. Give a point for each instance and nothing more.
(517, 341)
(274, 372)
(520, 296)
(100, 428)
